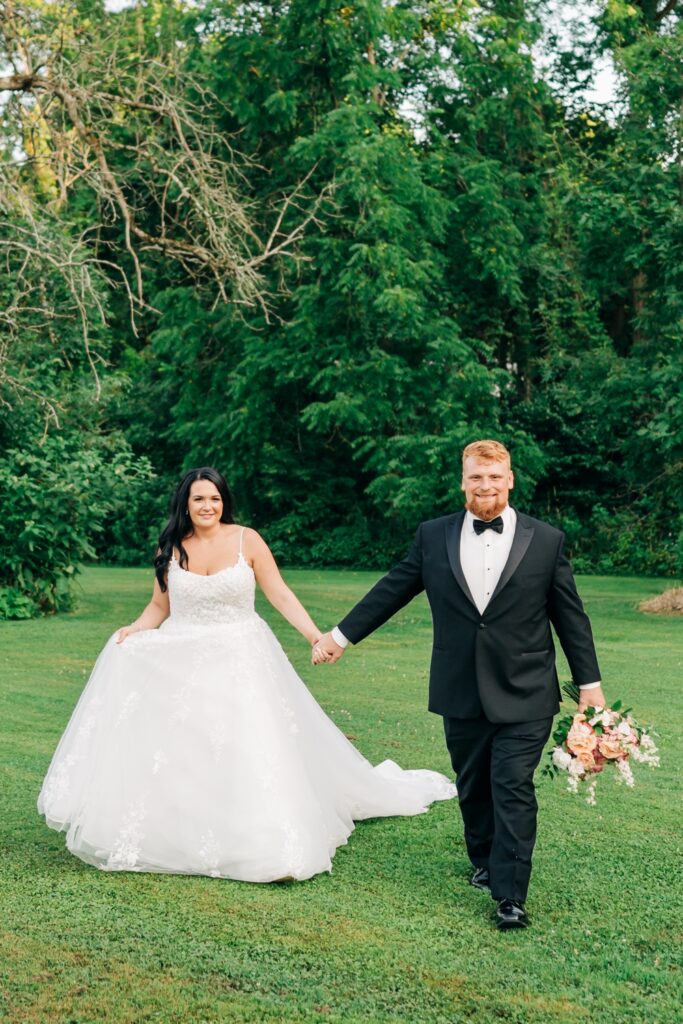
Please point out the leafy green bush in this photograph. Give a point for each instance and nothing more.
(137, 507)
(56, 497)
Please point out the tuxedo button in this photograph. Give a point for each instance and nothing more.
(482, 625)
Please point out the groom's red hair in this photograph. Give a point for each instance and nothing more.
(487, 451)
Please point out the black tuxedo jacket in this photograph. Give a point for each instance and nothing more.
(501, 663)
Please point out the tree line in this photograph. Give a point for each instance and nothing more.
(321, 246)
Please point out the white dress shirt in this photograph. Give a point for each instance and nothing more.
(483, 557)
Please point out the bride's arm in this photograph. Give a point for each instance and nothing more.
(154, 614)
(274, 587)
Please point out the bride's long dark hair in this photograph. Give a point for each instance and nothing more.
(180, 525)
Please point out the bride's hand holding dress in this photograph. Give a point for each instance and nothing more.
(154, 614)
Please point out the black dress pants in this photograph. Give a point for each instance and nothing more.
(494, 767)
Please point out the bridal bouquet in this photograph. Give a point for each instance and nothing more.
(588, 742)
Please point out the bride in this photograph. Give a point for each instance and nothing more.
(195, 748)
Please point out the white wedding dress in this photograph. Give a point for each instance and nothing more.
(195, 748)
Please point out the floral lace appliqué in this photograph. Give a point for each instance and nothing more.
(290, 716)
(209, 853)
(225, 597)
(126, 851)
(129, 704)
(293, 851)
(58, 785)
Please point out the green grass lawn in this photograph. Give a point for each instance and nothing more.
(395, 933)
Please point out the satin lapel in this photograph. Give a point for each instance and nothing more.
(520, 543)
(453, 530)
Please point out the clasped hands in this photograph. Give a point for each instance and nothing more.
(325, 649)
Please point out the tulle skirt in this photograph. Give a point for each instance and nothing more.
(198, 750)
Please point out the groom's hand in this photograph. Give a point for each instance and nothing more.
(594, 698)
(326, 649)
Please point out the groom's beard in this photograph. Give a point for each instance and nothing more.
(485, 510)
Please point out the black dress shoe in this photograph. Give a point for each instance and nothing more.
(480, 879)
(511, 914)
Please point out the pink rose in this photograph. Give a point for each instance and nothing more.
(587, 760)
(610, 746)
(581, 738)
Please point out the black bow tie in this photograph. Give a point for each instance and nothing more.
(495, 524)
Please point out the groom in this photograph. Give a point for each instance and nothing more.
(496, 580)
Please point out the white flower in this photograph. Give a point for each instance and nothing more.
(590, 794)
(624, 728)
(644, 757)
(646, 752)
(561, 759)
(575, 768)
(625, 774)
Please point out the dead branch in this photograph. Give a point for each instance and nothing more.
(138, 134)
(667, 9)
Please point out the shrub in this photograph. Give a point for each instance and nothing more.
(55, 498)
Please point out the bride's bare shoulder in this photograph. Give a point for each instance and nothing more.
(229, 529)
(251, 535)
(252, 540)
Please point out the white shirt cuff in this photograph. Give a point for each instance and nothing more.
(590, 686)
(339, 637)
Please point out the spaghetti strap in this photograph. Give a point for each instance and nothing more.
(241, 537)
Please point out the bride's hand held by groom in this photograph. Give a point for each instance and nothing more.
(326, 649)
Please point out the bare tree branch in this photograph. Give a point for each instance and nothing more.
(668, 8)
(139, 135)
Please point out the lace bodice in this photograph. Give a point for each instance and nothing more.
(225, 597)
